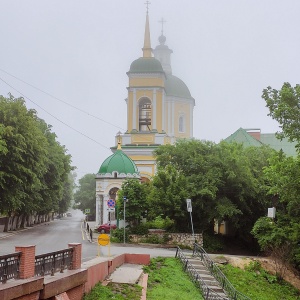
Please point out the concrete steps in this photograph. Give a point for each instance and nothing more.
(205, 276)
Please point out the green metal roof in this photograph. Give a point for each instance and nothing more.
(270, 139)
(289, 148)
(118, 162)
(174, 86)
(146, 65)
(243, 137)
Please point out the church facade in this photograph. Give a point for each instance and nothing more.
(159, 106)
(159, 111)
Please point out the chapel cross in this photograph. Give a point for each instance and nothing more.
(162, 21)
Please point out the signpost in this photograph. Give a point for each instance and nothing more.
(125, 200)
(103, 240)
(111, 208)
(190, 209)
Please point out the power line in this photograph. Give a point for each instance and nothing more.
(71, 105)
(53, 115)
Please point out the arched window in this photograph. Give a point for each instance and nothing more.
(181, 124)
(145, 114)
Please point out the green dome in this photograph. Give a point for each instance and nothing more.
(146, 65)
(118, 162)
(176, 87)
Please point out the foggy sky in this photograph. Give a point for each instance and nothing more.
(226, 52)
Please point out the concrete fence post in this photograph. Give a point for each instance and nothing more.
(27, 261)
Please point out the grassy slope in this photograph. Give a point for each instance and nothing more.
(168, 281)
(259, 285)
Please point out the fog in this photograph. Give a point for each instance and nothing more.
(226, 52)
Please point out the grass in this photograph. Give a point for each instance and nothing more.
(167, 280)
(258, 284)
(115, 291)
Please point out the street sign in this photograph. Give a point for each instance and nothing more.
(111, 203)
(189, 205)
(87, 210)
(111, 209)
(103, 239)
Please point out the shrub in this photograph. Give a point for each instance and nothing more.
(118, 235)
(140, 229)
(160, 223)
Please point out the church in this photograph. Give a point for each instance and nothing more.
(159, 111)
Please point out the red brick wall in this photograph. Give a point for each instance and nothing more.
(76, 261)
(76, 293)
(139, 259)
(33, 296)
(27, 262)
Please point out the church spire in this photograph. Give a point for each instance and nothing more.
(147, 43)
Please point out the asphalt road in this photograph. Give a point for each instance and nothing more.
(57, 234)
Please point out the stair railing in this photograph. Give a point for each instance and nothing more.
(218, 274)
(207, 293)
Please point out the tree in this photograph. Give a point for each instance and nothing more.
(284, 107)
(85, 197)
(224, 182)
(136, 206)
(34, 167)
(167, 197)
(25, 161)
(283, 176)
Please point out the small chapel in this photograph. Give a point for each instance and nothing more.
(159, 111)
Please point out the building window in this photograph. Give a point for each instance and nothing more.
(181, 124)
(145, 114)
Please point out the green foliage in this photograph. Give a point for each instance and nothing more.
(140, 229)
(136, 205)
(34, 166)
(224, 182)
(258, 284)
(213, 243)
(114, 291)
(284, 108)
(85, 195)
(153, 239)
(118, 236)
(161, 223)
(168, 281)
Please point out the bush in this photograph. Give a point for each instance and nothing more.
(213, 243)
(141, 229)
(160, 223)
(118, 235)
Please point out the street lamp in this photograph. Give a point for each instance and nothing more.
(125, 200)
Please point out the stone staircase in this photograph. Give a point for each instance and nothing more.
(205, 276)
(211, 283)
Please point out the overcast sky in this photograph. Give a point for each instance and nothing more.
(226, 52)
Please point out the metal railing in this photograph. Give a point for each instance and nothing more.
(9, 266)
(207, 293)
(230, 291)
(53, 262)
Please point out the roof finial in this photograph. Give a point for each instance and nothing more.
(147, 43)
(119, 141)
(162, 21)
(147, 5)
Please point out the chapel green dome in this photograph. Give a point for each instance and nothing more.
(146, 65)
(176, 87)
(118, 162)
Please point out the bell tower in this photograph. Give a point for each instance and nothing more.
(159, 106)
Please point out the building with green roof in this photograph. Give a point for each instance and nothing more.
(254, 137)
(112, 172)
